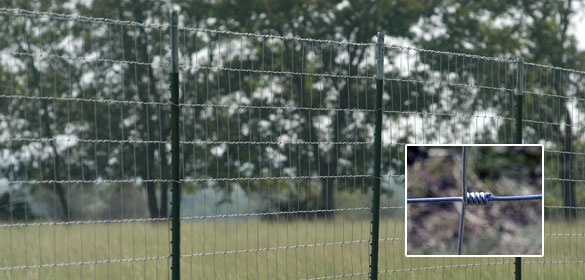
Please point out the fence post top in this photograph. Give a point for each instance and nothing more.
(174, 16)
(380, 54)
(520, 82)
(174, 42)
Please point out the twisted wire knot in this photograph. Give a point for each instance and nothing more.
(478, 198)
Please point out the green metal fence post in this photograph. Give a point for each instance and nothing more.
(518, 140)
(377, 158)
(176, 188)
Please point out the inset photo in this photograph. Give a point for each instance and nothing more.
(474, 200)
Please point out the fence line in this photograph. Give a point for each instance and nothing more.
(276, 136)
(60, 16)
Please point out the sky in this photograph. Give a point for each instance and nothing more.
(578, 27)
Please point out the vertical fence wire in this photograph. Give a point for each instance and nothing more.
(460, 234)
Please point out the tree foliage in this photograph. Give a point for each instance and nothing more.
(227, 107)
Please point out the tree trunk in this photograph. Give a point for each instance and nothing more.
(62, 201)
(34, 85)
(58, 187)
(151, 195)
(329, 169)
(328, 165)
(164, 200)
(328, 190)
(164, 187)
(325, 168)
(150, 189)
(59, 192)
(142, 55)
(569, 194)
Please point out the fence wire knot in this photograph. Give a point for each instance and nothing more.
(478, 198)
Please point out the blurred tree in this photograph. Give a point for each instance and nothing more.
(44, 67)
(537, 31)
(59, 78)
(14, 207)
(356, 21)
(18, 122)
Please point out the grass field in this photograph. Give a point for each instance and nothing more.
(255, 248)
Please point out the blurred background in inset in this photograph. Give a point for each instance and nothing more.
(499, 228)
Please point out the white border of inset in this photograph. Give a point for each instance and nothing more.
(467, 145)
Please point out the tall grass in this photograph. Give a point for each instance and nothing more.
(256, 248)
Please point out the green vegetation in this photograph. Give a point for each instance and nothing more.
(90, 242)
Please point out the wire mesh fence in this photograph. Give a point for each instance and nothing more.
(276, 149)
(84, 136)
(278, 126)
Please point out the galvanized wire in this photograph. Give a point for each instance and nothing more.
(475, 198)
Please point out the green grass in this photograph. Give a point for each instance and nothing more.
(59, 244)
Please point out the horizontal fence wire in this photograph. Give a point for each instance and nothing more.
(474, 198)
(276, 142)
